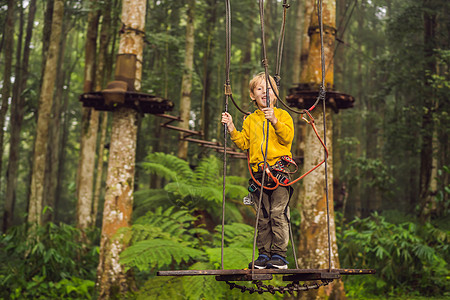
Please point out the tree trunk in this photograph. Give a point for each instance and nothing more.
(207, 67)
(89, 125)
(120, 179)
(313, 243)
(17, 112)
(100, 162)
(53, 162)
(45, 105)
(304, 53)
(6, 85)
(186, 81)
(426, 151)
(300, 40)
(101, 77)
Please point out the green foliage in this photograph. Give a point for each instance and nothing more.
(199, 188)
(161, 239)
(157, 253)
(407, 257)
(68, 288)
(46, 262)
(378, 172)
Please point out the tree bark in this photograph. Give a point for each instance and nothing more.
(300, 39)
(6, 88)
(100, 162)
(186, 81)
(53, 162)
(45, 105)
(89, 124)
(207, 67)
(304, 52)
(17, 112)
(101, 77)
(120, 179)
(313, 243)
(426, 151)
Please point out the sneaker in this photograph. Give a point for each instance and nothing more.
(277, 262)
(261, 262)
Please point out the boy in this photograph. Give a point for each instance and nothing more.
(273, 223)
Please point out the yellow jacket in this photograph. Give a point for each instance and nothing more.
(253, 137)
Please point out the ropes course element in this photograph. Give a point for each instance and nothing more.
(256, 276)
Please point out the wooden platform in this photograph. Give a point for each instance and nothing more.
(267, 274)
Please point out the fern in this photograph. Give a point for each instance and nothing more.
(158, 253)
(162, 288)
(200, 188)
(206, 172)
(200, 287)
(146, 200)
(234, 257)
(236, 235)
(173, 163)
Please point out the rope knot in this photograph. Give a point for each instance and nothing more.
(322, 92)
(227, 91)
(265, 62)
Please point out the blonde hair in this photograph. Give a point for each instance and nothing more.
(262, 77)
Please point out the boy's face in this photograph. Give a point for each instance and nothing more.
(259, 94)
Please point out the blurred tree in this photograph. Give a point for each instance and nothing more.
(186, 81)
(45, 105)
(89, 125)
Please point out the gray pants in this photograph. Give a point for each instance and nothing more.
(273, 223)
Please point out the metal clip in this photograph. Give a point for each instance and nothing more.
(248, 200)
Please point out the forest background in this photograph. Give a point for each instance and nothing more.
(390, 151)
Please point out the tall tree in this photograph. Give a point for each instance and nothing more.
(89, 125)
(426, 151)
(298, 45)
(17, 112)
(6, 85)
(118, 206)
(186, 82)
(316, 250)
(101, 77)
(210, 26)
(45, 105)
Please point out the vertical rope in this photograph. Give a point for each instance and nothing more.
(322, 96)
(225, 127)
(266, 74)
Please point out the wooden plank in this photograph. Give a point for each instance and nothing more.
(265, 271)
